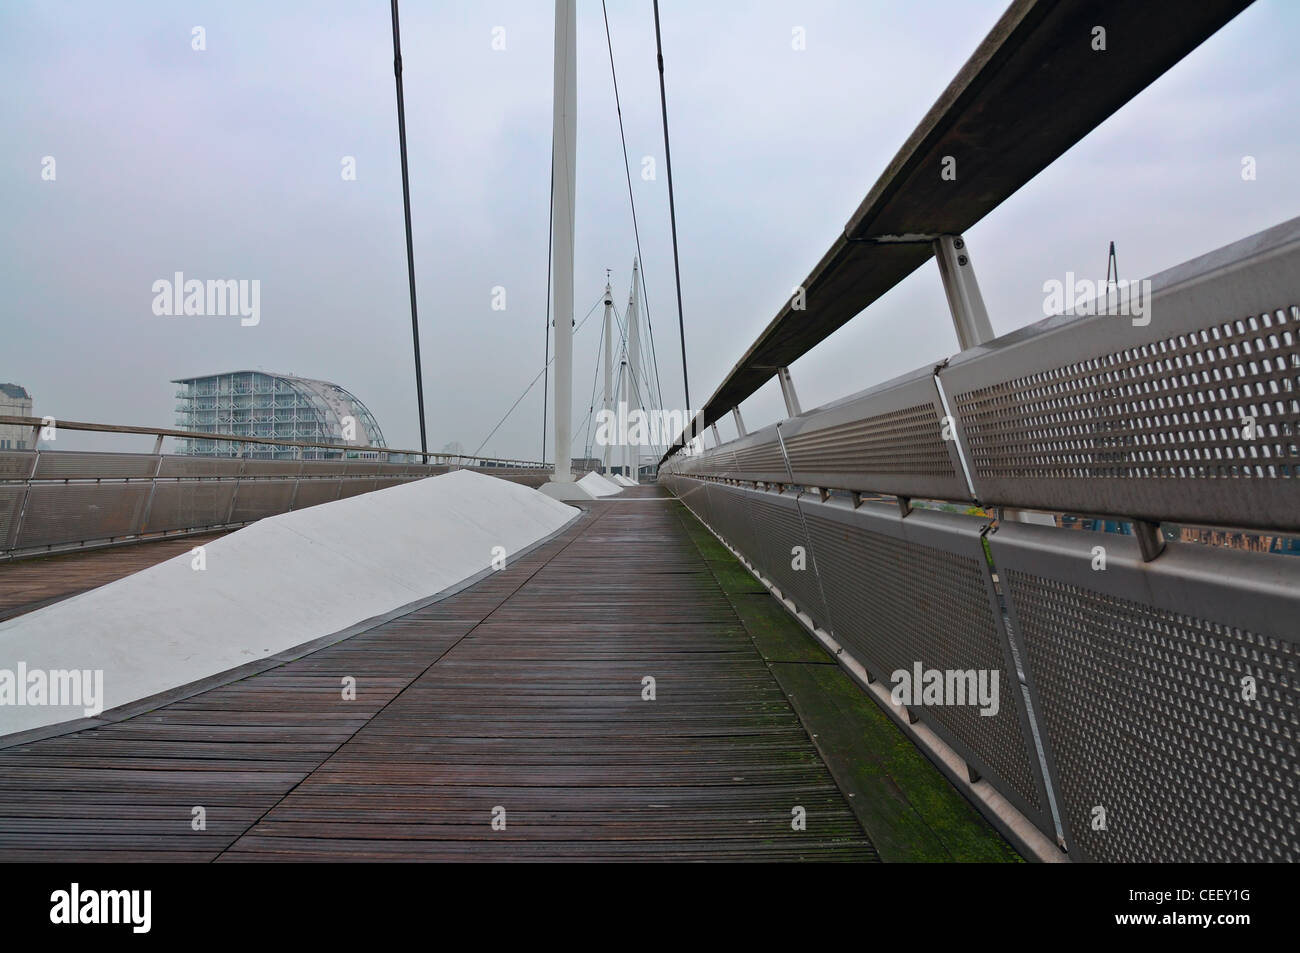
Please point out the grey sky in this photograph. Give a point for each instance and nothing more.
(226, 163)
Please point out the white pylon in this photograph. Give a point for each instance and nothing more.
(564, 141)
(634, 397)
(608, 403)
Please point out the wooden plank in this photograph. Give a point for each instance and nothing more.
(524, 691)
(30, 584)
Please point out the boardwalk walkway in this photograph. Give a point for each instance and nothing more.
(522, 695)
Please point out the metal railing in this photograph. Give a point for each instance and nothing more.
(1036, 85)
(1162, 674)
(57, 500)
(1155, 710)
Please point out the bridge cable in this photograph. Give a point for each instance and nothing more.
(636, 231)
(528, 389)
(672, 205)
(406, 206)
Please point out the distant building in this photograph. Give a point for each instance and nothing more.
(254, 404)
(15, 402)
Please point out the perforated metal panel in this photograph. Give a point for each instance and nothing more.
(757, 456)
(778, 530)
(78, 465)
(272, 468)
(255, 499)
(315, 492)
(1194, 417)
(323, 468)
(731, 512)
(903, 591)
(1139, 674)
(356, 487)
(189, 504)
(186, 466)
(16, 465)
(888, 439)
(74, 512)
(11, 501)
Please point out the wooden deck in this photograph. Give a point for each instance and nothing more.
(522, 694)
(30, 584)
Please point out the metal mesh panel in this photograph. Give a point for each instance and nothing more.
(1137, 673)
(77, 465)
(355, 488)
(272, 468)
(187, 466)
(255, 499)
(11, 499)
(702, 500)
(739, 530)
(15, 465)
(1194, 417)
(72, 512)
(189, 504)
(902, 591)
(314, 492)
(886, 440)
(323, 468)
(761, 459)
(778, 529)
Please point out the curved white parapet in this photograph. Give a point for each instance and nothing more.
(624, 481)
(280, 583)
(599, 486)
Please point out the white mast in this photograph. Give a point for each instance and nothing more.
(565, 141)
(633, 367)
(608, 403)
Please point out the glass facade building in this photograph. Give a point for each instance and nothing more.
(277, 406)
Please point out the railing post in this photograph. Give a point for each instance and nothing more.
(969, 316)
(1151, 542)
(787, 391)
(717, 438)
(740, 424)
(153, 488)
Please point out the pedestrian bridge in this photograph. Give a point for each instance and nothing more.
(519, 702)
(1033, 599)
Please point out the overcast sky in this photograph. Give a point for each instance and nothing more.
(225, 163)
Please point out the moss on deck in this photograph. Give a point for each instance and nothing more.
(908, 808)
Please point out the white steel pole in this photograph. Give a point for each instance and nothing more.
(634, 369)
(565, 142)
(608, 403)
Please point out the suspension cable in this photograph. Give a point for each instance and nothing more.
(636, 231)
(672, 205)
(599, 302)
(406, 207)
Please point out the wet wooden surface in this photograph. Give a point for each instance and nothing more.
(30, 584)
(519, 701)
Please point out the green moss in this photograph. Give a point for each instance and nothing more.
(908, 808)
